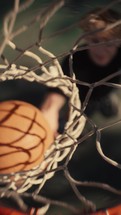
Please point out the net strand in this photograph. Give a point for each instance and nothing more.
(8, 30)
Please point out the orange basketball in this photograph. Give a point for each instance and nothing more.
(24, 136)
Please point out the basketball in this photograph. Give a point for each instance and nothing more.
(24, 136)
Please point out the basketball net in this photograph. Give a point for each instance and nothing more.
(16, 185)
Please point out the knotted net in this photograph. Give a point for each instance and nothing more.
(49, 73)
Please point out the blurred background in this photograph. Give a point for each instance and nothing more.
(86, 164)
